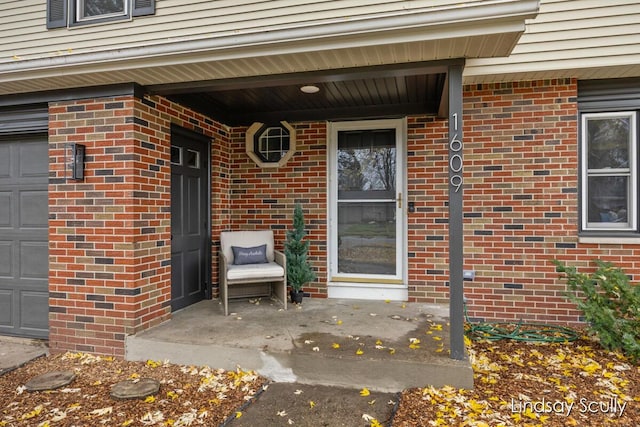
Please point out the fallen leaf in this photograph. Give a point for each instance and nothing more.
(102, 411)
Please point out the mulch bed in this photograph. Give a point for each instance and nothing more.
(187, 396)
(533, 384)
(517, 384)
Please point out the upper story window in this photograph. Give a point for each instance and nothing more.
(66, 13)
(609, 171)
(99, 9)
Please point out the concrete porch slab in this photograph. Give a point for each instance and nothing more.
(346, 343)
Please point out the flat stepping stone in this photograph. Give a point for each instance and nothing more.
(50, 380)
(130, 389)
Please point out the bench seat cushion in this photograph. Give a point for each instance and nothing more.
(255, 271)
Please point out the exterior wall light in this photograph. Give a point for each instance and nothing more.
(74, 162)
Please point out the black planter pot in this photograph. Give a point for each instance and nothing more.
(296, 297)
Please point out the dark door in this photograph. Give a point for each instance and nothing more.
(24, 236)
(190, 249)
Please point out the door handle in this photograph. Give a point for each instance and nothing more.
(399, 200)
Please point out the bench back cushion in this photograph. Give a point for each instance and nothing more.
(246, 239)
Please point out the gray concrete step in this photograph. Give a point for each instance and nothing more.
(384, 346)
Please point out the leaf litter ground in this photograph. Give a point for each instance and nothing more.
(516, 384)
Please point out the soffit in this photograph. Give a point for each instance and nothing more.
(359, 92)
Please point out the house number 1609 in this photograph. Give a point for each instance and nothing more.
(455, 160)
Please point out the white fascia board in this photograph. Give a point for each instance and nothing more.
(482, 18)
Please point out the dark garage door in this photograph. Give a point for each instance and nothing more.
(24, 301)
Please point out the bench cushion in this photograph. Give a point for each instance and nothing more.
(255, 271)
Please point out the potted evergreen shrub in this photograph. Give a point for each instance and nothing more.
(299, 271)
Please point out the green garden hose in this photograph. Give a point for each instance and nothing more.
(518, 331)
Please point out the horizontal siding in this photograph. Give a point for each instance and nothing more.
(23, 32)
(591, 35)
(567, 35)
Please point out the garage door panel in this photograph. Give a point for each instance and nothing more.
(6, 204)
(24, 247)
(5, 161)
(6, 303)
(31, 317)
(33, 209)
(34, 260)
(6, 259)
(34, 161)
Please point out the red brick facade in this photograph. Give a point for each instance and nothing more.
(110, 234)
(265, 197)
(521, 198)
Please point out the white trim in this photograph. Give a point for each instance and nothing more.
(632, 213)
(610, 240)
(372, 291)
(361, 288)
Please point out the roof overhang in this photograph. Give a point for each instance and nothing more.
(325, 52)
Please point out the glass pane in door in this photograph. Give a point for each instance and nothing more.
(367, 240)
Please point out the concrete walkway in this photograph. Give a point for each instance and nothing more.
(347, 343)
(15, 352)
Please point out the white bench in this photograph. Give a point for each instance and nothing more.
(246, 278)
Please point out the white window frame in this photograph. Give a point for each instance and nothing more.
(79, 12)
(631, 173)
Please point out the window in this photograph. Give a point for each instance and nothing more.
(65, 13)
(270, 145)
(98, 9)
(609, 172)
(176, 155)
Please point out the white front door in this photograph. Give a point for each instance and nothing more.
(367, 243)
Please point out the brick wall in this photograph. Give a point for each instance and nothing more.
(109, 235)
(265, 197)
(104, 279)
(521, 201)
(428, 226)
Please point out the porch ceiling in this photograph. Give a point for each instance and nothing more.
(400, 89)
